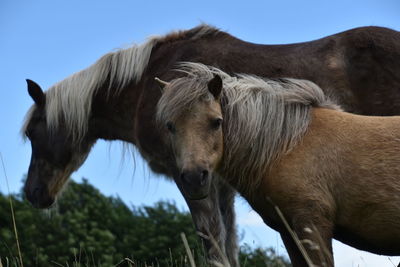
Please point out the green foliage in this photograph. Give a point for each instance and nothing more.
(260, 257)
(87, 228)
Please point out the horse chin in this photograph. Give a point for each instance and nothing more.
(196, 195)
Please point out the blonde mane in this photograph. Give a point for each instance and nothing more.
(263, 118)
(70, 100)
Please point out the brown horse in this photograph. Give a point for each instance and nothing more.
(282, 143)
(115, 99)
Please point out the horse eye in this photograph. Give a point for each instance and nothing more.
(216, 123)
(170, 127)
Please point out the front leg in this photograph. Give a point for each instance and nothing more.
(208, 221)
(314, 236)
(227, 208)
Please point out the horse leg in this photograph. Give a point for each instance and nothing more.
(315, 236)
(209, 224)
(226, 205)
(296, 258)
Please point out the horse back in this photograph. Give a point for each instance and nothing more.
(372, 56)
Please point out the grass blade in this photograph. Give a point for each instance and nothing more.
(12, 212)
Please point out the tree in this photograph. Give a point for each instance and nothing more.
(87, 228)
(260, 257)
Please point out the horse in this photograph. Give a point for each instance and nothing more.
(115, 99)
(282, 143)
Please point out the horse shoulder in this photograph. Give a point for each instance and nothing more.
(299, 178)
(334, 152)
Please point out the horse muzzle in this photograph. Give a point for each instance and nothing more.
(39, 197)
(196, 183)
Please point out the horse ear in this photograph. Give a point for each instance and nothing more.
(36, 93)
(161, 82)
(215, 86)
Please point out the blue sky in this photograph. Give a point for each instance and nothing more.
(49, 40)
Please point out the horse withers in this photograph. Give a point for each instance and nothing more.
(285, 147)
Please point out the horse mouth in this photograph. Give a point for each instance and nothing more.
(195, 195)
(44, 204)
(199, 197)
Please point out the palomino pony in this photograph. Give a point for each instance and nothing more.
(283, 143)
(115, 99)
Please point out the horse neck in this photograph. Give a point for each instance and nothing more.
(113, 116)
(253, 146)
(327, 126)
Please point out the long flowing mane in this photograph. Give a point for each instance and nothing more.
(263, 118)
(71, 98)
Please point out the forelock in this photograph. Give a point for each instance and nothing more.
(180, 96)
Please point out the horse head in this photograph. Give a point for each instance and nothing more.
(55, 155)
(195, 133)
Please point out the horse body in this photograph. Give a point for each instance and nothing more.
(342, 178)
(332, 174)
(351, 66)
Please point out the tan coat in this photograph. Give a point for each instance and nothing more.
(344, 179)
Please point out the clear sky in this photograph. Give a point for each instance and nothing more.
(48, 40)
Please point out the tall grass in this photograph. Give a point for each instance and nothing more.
(21, 263)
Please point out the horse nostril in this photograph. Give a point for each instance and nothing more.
(33, 195)
(204, 176)
(194, 178)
